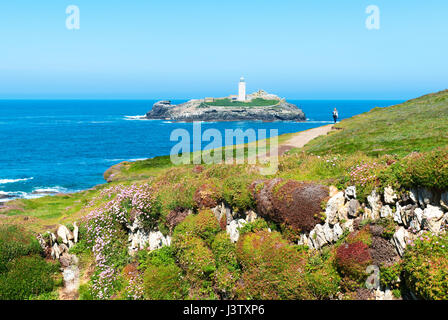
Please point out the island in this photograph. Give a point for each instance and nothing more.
(259, 105)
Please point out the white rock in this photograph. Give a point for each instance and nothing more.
(303, 241)
(350, 193)
(320, 239)
(384, 295)
(251, 216)
(233, 229)
(156, 240)
(348, 225)
(374, 201)
(353, 208)
(444, 200)
(75, 232)
(389, 195)
(386, 211)
(328, 233)
(55, 252)
(413, 194)
(337, 231)
(334, 204)
(64, 234)
(425, 197)
(433, 218)
(397, 214)
(419, 215)
(400, 238)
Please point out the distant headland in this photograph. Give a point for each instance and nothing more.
(259, 105)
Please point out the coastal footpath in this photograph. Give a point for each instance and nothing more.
(259, 106)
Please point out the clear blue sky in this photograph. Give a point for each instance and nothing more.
(298, 49)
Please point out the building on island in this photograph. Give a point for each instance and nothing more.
(242, 90)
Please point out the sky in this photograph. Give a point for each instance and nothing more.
(178, 49)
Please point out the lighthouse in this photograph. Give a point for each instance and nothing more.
(242, 90)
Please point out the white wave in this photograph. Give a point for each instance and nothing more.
(49, 190)
(4, 181)
(136, 118)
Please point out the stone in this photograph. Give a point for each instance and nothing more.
(397, 214)
(343, 212)
(75, 232)
(320, 239)
(350, 193)
(348, 226)
(333, 191)
(333, 206)
(328, 233)
(374, 201)
(383, 295)
(413, 194)
(65, 260)
(389, 195)
(233, 229)
(156, 240)
(444, 200)
(251, 216)
(418, 213)
(368, 214)
(433, 218)
(64, 234)
(63, 248)
(353, 208)
(55, 252)
(337, 231)
(400, 238)
(425, 197)
(386, 211)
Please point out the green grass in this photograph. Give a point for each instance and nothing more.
(416, 125)
(259, 102)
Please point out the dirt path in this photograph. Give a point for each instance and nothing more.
(299, 140)
(303, 137)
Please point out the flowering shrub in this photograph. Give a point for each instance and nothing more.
(423, 169)
(106, 232)
(366, 177)
(352, 259)
(425, 266)
(271, 268)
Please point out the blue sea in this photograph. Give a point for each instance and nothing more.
(53, 146)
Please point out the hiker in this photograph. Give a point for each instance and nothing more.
(335, 115)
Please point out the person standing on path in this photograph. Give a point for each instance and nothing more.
(335, 115)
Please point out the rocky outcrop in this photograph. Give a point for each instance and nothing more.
(199, 110)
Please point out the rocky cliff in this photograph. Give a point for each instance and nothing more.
(200, 110)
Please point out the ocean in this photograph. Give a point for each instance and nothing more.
(54, 146)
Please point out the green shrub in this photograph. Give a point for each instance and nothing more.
(352, 259)
(425, 267)
(27, 276)
(203, 225)
(164, 282)
(271, 268)
(15, 242)
(390, 276)
(428, 169)
(195, 257)
(322, 279)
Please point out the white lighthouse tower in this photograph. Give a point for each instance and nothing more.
(242, 90)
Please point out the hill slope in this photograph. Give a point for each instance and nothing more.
(417, 125)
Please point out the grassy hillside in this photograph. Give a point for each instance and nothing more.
(416, 125)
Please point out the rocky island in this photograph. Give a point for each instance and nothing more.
(256, 106)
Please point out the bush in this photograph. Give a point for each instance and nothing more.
(27, 276)
(271, 268)
(195, 257)
(352, 259)
(423, 170)
(322, 278)
(425, 267)
(15, 242)
(203, 225)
